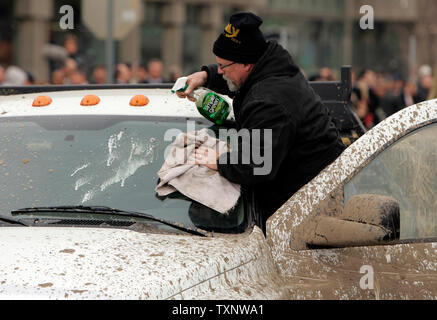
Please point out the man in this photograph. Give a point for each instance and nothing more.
(123, 73)
(78, 77)
(15, 76)
(424, 84)
(270, 93)
(364, 90)
(99, 74)
(392, 104)
(154, 70)
(58, 77)
(140, 73)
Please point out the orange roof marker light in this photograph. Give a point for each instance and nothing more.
(90, 100)
(41, 101)
(139, 101)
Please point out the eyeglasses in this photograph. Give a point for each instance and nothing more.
(224, 67)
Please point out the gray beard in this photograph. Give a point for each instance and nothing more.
(231, 85)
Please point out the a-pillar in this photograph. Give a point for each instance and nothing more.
(173, 17)
(33, 33)
(211, 20)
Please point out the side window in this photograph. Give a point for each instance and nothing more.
(407, 171)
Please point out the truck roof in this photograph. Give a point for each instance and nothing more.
(161, 103)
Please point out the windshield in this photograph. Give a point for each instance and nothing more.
(97, 161)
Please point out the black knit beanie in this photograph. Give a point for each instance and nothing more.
(242, 41)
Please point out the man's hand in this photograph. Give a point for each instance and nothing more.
(194, 81)
(205, 157)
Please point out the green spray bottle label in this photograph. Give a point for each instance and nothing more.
(209, 104)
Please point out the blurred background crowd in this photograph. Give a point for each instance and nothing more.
(68, 67)
(393, 63)
(376, 95)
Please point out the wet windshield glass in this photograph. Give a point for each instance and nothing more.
(97, 161)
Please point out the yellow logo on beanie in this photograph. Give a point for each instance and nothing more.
(231, 31)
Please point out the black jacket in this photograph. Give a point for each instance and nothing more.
(277, 96)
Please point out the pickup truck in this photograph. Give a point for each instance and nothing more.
(80, 218)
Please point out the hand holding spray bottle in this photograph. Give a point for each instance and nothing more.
(209, 103)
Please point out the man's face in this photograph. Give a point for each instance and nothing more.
(155, 69)
(58, 77)
(234, 73)
(99, 75)
(71, 46)
(124, 73)
(70, 66)
(426, 81)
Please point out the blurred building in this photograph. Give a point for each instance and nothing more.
(318, 33)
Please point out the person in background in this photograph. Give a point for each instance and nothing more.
(2, 75)
(99, 74)
(132, 77)
(69, 68)
(71, 45)
(424, 83)
(57, 55)
(408, 96)
(326, 74)
(433, 91)
(366, 100)
(154, 70)
(140, 73)
(15, 76)
(123, 73)
(398, 84)
(58, 77)
(6, 51)
(78, 77)
(384, 85)
(30, 78)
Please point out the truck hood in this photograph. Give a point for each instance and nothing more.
(92, 263)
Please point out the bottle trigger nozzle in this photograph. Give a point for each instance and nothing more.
(180, 85)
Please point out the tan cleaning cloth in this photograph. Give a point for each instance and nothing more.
(199, 183)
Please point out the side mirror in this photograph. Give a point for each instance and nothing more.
(367, 219)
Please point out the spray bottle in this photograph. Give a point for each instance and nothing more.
(209, 103)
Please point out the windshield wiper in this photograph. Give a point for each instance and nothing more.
(113, 211)
(11, 220)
